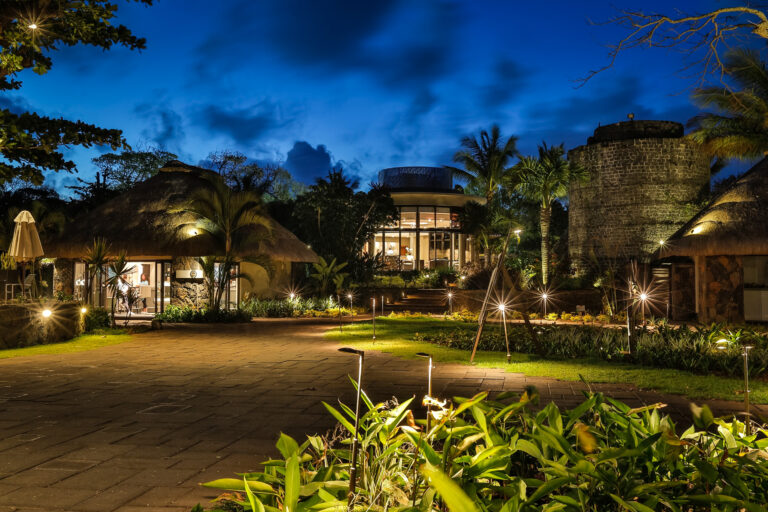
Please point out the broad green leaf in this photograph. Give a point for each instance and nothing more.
(256, 505)
(234, 484)
(292, 484)
(632, 506)
(287, 446)
(340, 418)
(451, 493)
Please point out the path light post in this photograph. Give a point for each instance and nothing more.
(722, 344)
(341, 319)
(353, 466)
(544, 298)
(429, 389)
(450, 302)
(503, 309)
(373, 317)
(382, 305)
(643, 299)
(349, 296)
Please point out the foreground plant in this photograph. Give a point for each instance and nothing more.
(498, 454)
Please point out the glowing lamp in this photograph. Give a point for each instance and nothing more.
(349, 296)
(544, 296)
(46, 313)
(83, 310)
(696, 230)
(292, 296)
(661, 242)
(193, 232)
(721, 344)
(32, 26)
(502, 307)
(643, 296)
(450, 295)
(518, 231)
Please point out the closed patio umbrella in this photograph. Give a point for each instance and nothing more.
(25, 244)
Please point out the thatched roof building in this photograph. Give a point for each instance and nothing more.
(142, 222)
(734, 223)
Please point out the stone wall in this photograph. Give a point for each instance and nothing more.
(639, 190)
(63, 276)
(187, 292)
(722, 296)
(683, 292)
(22, 325)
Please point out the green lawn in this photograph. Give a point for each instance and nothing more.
(78, 344)
(395, 336)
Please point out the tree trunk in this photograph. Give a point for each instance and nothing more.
(546, 215)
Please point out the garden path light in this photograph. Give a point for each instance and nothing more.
(353, 468)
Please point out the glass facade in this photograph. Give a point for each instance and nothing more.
(425, 237)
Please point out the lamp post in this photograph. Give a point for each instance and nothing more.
(544, 302)
(382, 305)
(643, 298)
(349, 296)
(722, 344)
(373, 318)
(450, 302)
(341, 318)
(353, 465)
(429, 389)
(503, 309)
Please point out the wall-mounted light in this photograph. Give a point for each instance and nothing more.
(696, 230)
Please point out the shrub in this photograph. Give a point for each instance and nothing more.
(175, 314)
(96, 318)
(285, 308)
(552, 316)
(502, 455)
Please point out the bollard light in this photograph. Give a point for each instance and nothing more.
(46, 313)
(83, 310)
(353, 464)
(373, 317)
(429, 389)
(450, 302)
(503, 309)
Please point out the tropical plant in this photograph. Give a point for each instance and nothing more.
(115, 281)
(544, 180)
(502, 455)
(738, 127)
(485, 161)
(230, 221)
(95, 259)
(326, 273)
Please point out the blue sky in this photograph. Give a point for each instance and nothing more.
(369, 84)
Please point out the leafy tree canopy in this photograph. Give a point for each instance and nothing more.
(121, 171)
(272, 182)
(29, 32)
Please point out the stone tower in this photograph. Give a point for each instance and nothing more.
(643, 179)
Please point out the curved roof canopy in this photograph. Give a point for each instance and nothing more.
(142, 222)
(734, 223)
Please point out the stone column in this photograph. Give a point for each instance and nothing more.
(187, 292)
(64, 276)
(462, 249)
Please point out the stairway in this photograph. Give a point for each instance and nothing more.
(422, 301)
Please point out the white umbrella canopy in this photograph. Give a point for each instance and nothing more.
(25, 244)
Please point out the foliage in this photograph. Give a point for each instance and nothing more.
(115, 281)
(272, 182)
(737, 127)
(231, 220)
(175, 314)
(692, 350)
(96, 318)
(500, 454)
(30, 31)
(95, 258)
(336, 219)
(327, 273)
(545, 179)
(485, 161)
(285, 308)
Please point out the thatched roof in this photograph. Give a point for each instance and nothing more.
(141, 222)
(734, 223)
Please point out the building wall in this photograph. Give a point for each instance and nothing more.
(721, 289)
(642, 181)
(187, 292)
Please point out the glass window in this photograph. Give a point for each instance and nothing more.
(455, 224)
(392, 250)
(408, 217)
(80, 278)
(377, 243)
(426, 217)
(407, 250)
(424, 256)
(441, 249)
(443, 218)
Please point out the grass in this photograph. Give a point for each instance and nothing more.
(78, 344)
(395, 336)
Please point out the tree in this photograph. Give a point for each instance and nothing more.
(545, 179)
(327, 273)
(231, 220)
(29, 33)
(95, 258)
(337, 221)
(121, 171)
(738, 127)
(485, 161)
(701, 38)
(271, 181)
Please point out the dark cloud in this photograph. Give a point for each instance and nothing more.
(165, 127)
(507, 81)
(246, 125)
(306, 163)
(15, 104)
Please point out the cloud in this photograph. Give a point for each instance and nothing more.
(165, 125)
(507, 81)
(306, 163)
(248, 124)
(15, 104)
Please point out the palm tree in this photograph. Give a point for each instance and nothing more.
(230, 220)
(95, 258)
(544, 180)
(327, 273)
(485, 161)
(739, 128)
(115, 282)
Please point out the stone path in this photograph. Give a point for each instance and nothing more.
(136, 426)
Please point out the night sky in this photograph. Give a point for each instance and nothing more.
(367, 84)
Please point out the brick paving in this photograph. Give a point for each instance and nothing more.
(136, 426)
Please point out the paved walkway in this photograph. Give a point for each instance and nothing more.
(136, 426)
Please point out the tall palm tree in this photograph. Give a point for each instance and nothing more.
(230, 220)
(739, 127)
(95, 258)
(544, 180)
(485, 161)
